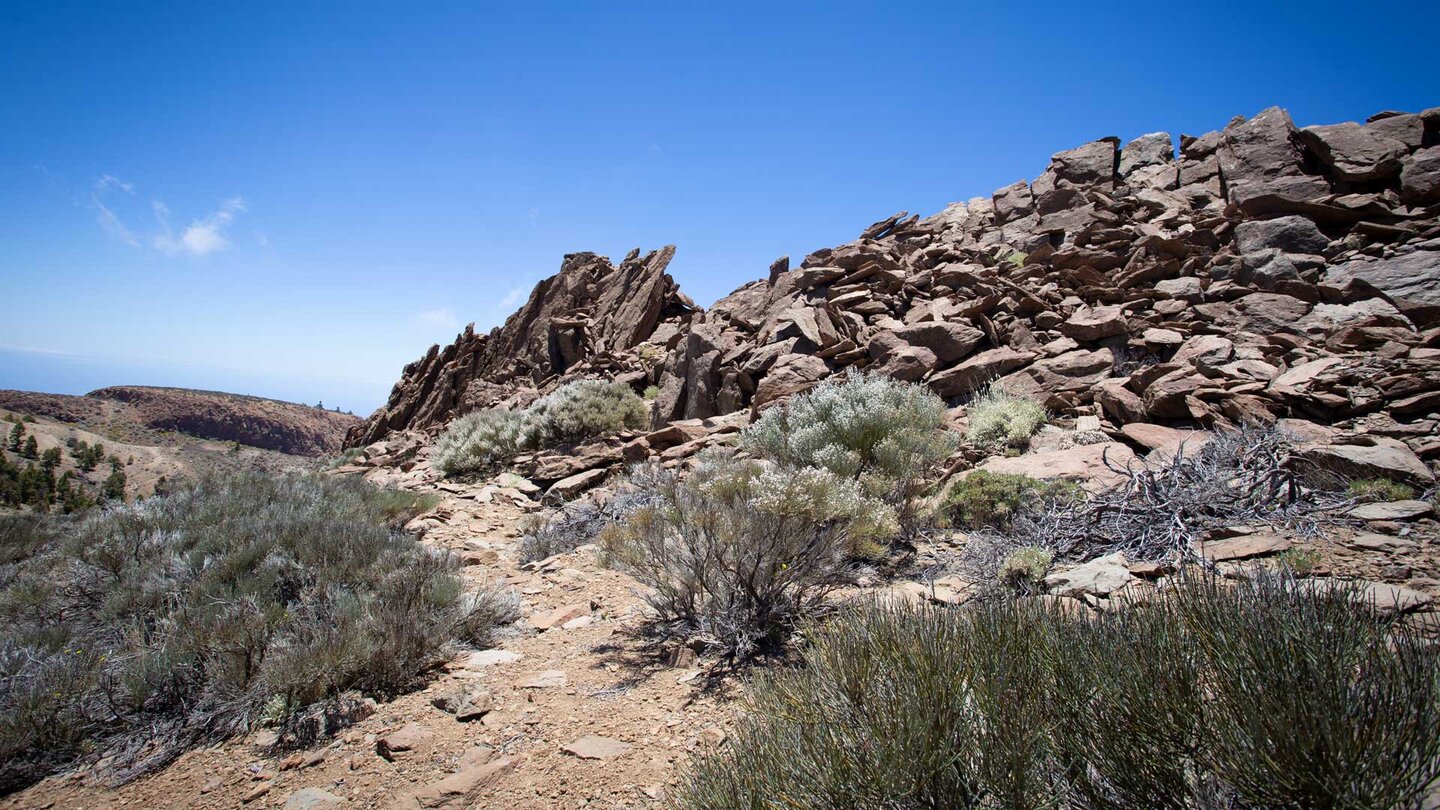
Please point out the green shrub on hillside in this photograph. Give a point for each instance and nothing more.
(739, 551)
(1261, 693)
(986, 499)
(999, 420)
(145, 629)
(881, 432)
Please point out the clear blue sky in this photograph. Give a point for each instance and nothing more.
(294, 199)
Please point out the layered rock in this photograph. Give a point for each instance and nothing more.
(582, 320)
(1263, 272)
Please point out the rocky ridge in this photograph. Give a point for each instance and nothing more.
(141, 411)
(1263, 272)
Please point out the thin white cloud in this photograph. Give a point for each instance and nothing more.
(204, 236)
(512, 298)
(441, 318)
(109, 221)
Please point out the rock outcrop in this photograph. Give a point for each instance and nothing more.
(1261, 272)
(584, 320)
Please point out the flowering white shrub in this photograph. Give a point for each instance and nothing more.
(740, 550)
(478, 441)
(999, 419)
(877, 430)
(582, 410)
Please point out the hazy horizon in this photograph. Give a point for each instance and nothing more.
(296, 200)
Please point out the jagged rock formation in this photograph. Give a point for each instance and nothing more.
(1264, 271)
(579, 321)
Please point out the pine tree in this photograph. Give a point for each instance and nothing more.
(114, 487)
(31, 448)
(17, 435)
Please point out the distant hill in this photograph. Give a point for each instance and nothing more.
(138, 413)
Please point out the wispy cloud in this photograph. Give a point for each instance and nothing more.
(203, 236)
(512, 298)
(440, 318)
(109, 221)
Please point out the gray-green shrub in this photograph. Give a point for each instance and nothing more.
(998, 419)
(740, 550)
(583, 410)
(881, 432)
(148, 628)
(1266, 693)
(479, 441)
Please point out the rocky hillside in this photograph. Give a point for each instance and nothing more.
(139, 411)
(1264, 271)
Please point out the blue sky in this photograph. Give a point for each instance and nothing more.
(294, 199)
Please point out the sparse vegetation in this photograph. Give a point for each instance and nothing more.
(1381, 489)
(574, 412)
(985, 499)
(582, 410)
(882, 433)
(145, 629)
(576, 524)
(999, 420)
(741, 550)
(1262, 693)
(478, 441)
(1025, 569)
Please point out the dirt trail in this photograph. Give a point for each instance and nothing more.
(610, 684)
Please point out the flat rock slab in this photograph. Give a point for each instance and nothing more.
(559, 616)
(1243, 548)
(1392, 510)
(1085, 464)
(406, 739)
(549, 679)
(460, 789)
(488, 658)
(1381, 542)
(595, 747)
(1101, 576)
(1392, 599)
(312, 798)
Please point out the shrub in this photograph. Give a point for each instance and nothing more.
(983, 498)
(999, 420)
(478, 441)
(1266, 693)
(1302, 562)
(1380, 489)
(740, 550)
(576, 524)
(583, 410)
(869, 427)
(1025, 569)
(146, 629)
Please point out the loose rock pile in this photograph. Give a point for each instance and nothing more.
(1264, 272)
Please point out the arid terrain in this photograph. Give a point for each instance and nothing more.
(1266, 282)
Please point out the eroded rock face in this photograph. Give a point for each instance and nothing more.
(576, 321)
(1265, 272)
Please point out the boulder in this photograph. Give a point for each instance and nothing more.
(464, 788)
(1101, 576)
(1093, 323)
(470, 701)
(1392, 510)
(1209, 349)
(1091, 164)
(1355, 153)
(1085, 464)
(1154, 149)
(1420, 177)
(948, 341)
(313, 798)
(407, 738)
(1410, 281)
(975, 371)
(1290, 234)
(1384, 458)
